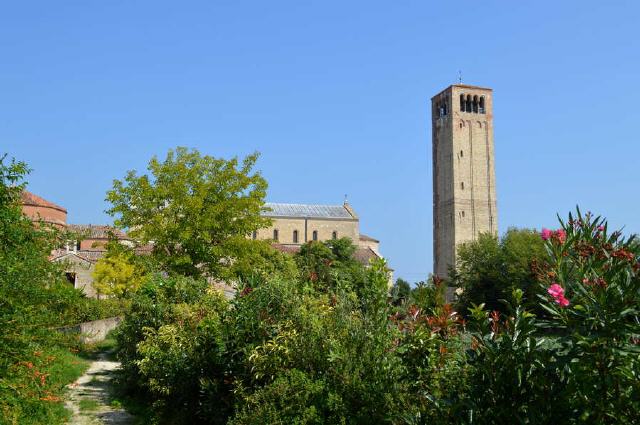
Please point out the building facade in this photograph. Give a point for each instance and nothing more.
(293, 225)
(464, 188)
(80, 253)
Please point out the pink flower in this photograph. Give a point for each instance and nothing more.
(546, 234)
(557, 292)
(561, 235)
(600, 228)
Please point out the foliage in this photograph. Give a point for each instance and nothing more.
(196, 209)
(579, 362)
(116, 274)
(489, 269)
(34, 298)
(599, 325)
(330, 264)
(400, 290)
(261, 260)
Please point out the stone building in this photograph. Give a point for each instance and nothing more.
(464, 188)
(296, 224)
(80, 253)
(292, 226)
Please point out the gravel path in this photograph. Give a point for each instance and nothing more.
(88, 397)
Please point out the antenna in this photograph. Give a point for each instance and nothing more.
(346, 201)
(459, 77)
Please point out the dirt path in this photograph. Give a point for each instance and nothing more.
(88, 397)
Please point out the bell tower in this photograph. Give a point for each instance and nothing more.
(464, 188)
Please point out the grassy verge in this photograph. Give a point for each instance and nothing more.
(33, 389)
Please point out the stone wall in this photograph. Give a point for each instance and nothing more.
(306, 227)
(95, 331)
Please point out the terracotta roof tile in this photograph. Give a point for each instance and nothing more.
(96, 231)
(28, 198)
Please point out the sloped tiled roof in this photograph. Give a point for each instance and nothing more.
(364, 237)
(306, 211)
(362, 255)
(90, 256)
(95, 231)
(31, 199)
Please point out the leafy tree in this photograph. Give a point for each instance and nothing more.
(34, 298)
(116, 274)
(331, 263)
(489, 269)
(400, 290)
(195, 209)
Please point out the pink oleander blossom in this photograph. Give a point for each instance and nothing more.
(561, 235)
(557, 292)
(546, 234)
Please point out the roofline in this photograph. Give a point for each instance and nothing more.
(304, 217)
(51, 205)
(464, 86)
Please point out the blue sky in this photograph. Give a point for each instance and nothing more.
(335, 95)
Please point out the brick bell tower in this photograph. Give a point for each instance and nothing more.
(464, 188)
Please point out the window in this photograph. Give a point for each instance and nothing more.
(462, 104)
(461, 154)
(254, 235)
(462, 185)
(482, 104)
(315, 235)
(475, 104)
(275, 235)
(462, 214)
(295, 236)
(334, 235)
(469, 102)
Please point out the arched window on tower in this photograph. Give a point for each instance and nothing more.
(295, 236)
(462, 103)
(275, 235)
(315, 235)
(481, 104)
(475, 104)
(469, 102)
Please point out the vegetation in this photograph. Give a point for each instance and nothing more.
(330, 345)
(35, 363)
(490, 269)
(548, 330)
(196, 209)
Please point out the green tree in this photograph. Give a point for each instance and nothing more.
(195, 209)
(490, 269)
(117, 274)
(400, 290)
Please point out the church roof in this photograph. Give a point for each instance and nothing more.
(31, 199)
(95, 231)
(364, 237)
(307, 211)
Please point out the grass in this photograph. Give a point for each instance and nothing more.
(33, 390)
(88, 405)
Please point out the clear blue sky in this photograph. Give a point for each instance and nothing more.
(335, 95)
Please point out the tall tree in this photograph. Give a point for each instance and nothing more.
(195, 210)
(489, 269)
